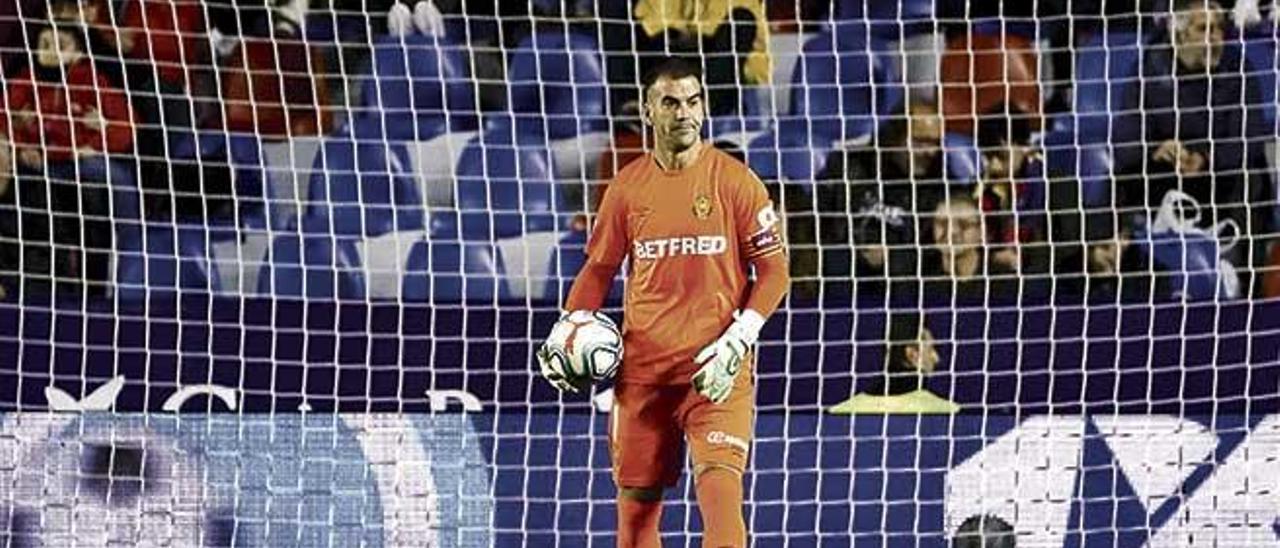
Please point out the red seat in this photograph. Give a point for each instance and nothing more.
(980, 72)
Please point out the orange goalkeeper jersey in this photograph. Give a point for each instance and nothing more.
(690, 235)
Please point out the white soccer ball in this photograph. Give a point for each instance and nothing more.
(591, 344)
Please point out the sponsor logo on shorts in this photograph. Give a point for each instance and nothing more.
(716, 437)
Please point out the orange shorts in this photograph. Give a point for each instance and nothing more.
(650, 424)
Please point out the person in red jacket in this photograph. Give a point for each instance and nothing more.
(61, 108)
(65, 120)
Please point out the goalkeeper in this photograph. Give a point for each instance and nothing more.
(693, 220)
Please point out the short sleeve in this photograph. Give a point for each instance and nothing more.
(608, 243)
(757, 221)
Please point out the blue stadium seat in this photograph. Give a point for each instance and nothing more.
(439, 271)
(535, 266)
(1107, 69)
(505, 187)
(160, 260)
(1260, 56)
(567, 260)
(557, 85)
(1066, 157)
(289, 168)
(843, 84)
(435, 163)
(237, 254)
(420, 87)
(312, 263)
(1079, 146)
(777, 156)
(891, 20)
(361, 186)
(749, 119)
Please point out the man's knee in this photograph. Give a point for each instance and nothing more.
(641, 494)
(702, 469)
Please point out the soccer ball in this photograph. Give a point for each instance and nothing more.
(589, 343)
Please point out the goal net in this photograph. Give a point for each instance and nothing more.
(272, 273)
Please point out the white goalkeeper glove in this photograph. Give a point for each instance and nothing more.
(553, 363)
(722, 360)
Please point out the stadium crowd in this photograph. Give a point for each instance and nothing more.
(921, 150)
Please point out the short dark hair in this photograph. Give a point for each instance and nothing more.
(984, 531)
(898, 376)
(671, 67)
(904, 333)
(1184, 5)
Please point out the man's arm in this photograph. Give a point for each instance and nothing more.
(606, 250)
(591, 287)
(773, 279)
(761, 244)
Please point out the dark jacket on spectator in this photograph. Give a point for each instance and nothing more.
(1217, 115)
(866, 198)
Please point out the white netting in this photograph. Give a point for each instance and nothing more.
(330, 234)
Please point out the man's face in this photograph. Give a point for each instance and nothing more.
(675, 109)
(927, 353)
(56, 48)
(957, 227)
(1198, 40)
(924, 137)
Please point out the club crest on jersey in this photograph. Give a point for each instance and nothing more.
(702, 207)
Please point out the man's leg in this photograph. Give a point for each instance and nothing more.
(720, 501)
(720, 438)
(646, 454)
(639, 511)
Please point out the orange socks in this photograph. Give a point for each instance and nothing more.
(720, 501)
(638, 522)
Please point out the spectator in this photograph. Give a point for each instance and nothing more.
(62, 107)
(959, 266)
(869, 200)
(101, 43)
(167, 63)
(66, 120)
(1196, 125)
(1004, 139)
(910, 357)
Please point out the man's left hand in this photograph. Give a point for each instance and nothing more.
(721, 360)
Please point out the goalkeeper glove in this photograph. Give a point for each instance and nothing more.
(722, 360)
(553, 363)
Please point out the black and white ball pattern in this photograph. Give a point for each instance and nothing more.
(592, 343)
